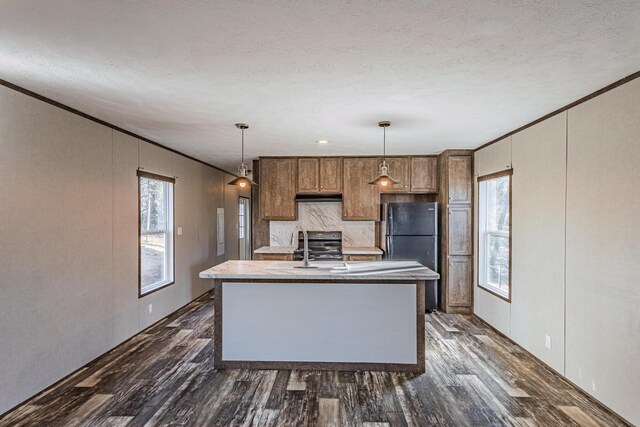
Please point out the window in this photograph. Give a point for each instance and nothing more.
(241, 219)
(494, 233)
(244, 228)
(156, 232)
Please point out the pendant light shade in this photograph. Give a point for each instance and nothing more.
(242, 180)
(384, 180)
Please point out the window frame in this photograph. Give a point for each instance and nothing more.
(247, 230)
(482, 229)
(171, 228)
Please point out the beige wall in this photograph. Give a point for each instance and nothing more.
(603, 248)
(497, 312)
(68, 227)
(539, 176)
(576, 234)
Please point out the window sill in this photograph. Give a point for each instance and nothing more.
(142, 294)
(495, 292)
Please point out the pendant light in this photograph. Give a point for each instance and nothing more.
(242, 180)
(384, 180)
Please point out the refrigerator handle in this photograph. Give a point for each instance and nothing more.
(389, 220)
(389, 248)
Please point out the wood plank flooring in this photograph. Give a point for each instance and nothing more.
(165, 377)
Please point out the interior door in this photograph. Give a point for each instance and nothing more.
(244, 228)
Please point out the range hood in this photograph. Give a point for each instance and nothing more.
(315, 198)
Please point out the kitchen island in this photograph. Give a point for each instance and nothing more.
(337, 316)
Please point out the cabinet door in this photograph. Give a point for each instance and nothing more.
(459, 278)
(273, 257)
(363, 257)
(459, 231)
(424, 174)
(278, 188)
(399, 170)
(330, 175)
(460, 171)
(360, 200)
(308, 175)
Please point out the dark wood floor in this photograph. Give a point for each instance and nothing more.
(166, 377)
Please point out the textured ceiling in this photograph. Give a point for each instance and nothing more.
(446, 73)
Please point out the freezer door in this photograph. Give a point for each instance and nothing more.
(413, 248)
(405, 219)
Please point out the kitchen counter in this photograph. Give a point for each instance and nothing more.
(275, 250)
(271, 315)
(347, 250)
(388, 270)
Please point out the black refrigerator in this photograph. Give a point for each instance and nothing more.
(410, 233)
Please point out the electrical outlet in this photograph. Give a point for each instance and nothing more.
(150, 308)
(547, 341)
(179, 231)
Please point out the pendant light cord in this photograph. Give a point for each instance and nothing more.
(242, 146)
(384, 143)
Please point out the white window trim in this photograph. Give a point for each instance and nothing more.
(483, 237)
(169, 234)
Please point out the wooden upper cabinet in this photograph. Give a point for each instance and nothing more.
(278, 177)
(400, 170)
(424, 174)
(460, 171)
(308, 175)
(360, 200)
(319, 175)
(330, 175)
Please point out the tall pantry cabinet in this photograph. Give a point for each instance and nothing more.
(455, 201)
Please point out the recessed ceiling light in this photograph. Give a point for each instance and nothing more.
(322, 141)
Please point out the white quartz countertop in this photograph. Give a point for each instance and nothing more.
(275, 250)
(378, 270)
(353, 250)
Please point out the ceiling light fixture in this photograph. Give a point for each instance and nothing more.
(384, 180)
(322, 141)
(242, 180)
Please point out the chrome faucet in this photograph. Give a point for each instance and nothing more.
(294, 240)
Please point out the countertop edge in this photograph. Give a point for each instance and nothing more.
(353, 250)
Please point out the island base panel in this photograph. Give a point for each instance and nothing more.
(320, 325)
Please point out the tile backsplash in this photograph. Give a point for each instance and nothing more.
(323, 216)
